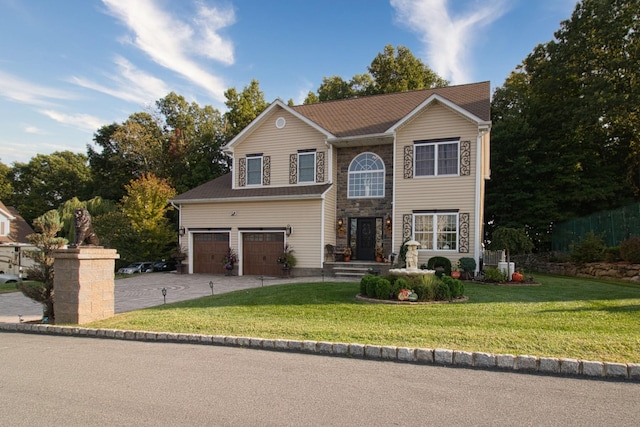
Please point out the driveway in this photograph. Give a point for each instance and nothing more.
(145, 290)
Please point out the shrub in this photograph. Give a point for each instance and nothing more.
(456, 287)
(612, 254)
(590, 248)
(383, 288)
(494, 275)
(439, 261)
(630, 250)
(468, 264)
(371, 287)
(365, 284)
(442, 291)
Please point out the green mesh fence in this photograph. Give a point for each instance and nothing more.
(613, 226)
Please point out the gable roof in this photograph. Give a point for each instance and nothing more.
(220, 189)
(19, 228)
(377, 114)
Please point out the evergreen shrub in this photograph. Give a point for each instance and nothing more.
(630, 250)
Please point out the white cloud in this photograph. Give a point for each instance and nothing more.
(18, 90)
(170, 42)
(82, 122)
(131, 84)
(448, 40)
(34, 130)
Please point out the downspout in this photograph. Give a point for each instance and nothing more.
(478, 201)
(393, 196)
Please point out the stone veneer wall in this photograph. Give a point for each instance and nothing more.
(84, 284)
(374, 207)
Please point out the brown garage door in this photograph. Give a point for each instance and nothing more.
(208, 251)
(260, 252)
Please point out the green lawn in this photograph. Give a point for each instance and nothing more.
(564, 317)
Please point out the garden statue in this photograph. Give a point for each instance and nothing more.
(412, 254)
(84, 229)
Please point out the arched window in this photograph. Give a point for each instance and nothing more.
(366, 176)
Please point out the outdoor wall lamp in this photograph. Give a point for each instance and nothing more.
(289, 230)
(182, 231)
(340, 222)
(388, 223)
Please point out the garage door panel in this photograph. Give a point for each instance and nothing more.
(260, 252)
(209, 249)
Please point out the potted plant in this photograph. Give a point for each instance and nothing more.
(287, 260)
(468, 267)
(229, 261)
(455, 270)
(347, 254)
(379, 253)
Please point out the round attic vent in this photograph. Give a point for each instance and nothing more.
(280, 122)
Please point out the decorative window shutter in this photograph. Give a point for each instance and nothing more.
(408, 161)
(320, 166)
(293, 168)
(463, 235)
(266, 170)
(407, 226)
(465, 158)
(242, 172)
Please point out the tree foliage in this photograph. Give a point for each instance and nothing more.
(47, 181)
(390, 71)
(565, 139)
(243, 107)
(46, 227)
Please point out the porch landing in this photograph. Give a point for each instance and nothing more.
(355, 268)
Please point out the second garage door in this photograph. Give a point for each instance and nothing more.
(260, 252)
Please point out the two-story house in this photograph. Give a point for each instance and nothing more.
(359, 173)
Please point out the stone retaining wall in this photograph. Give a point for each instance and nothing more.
(437, 356)
(598, 270)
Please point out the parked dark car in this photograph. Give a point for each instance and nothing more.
(137, 267)
(165, 266)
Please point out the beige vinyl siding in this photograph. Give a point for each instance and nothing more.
(278, 144)
(303, 215)
(435, 193)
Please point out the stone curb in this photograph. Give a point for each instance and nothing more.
(437, 357)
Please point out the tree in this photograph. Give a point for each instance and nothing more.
(96, 206)
(512, 240)
(48, 180)
(5, 182)
(46, 227)
(401, 72)
(243, 108)
(388, 73)
(146, 205)
(566, 130)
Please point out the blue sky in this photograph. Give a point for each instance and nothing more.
(68, 67)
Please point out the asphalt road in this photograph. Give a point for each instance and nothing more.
(72, 381)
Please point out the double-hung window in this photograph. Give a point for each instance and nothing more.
(437, 157)
(254, 169)
(436, 231)
(366, 176)
(307, 166)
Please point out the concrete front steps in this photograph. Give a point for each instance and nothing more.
(356, 269)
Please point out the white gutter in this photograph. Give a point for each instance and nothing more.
(482, 130)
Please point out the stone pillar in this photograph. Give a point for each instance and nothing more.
(84, 284)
